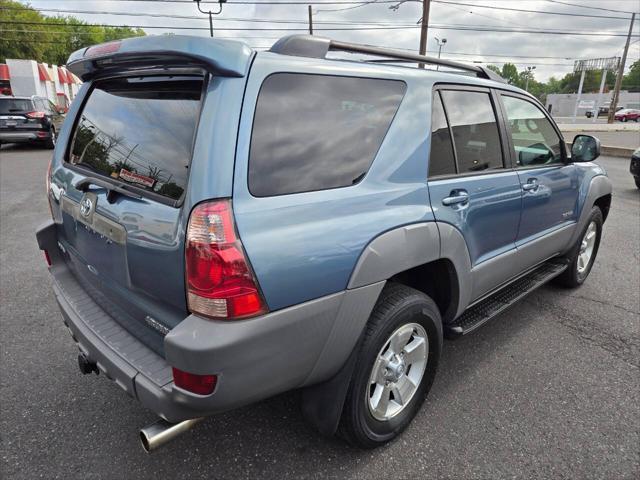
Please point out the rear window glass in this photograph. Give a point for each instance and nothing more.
(314, 132)
(441, 159)
(140, 132)
(475, 130)
(14, 105)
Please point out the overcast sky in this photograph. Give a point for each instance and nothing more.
(555, 53)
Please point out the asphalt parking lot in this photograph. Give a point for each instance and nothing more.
(550, 389)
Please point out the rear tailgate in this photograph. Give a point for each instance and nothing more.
(120, 190)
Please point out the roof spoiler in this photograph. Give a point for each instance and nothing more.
(318, 47)
(222, 57)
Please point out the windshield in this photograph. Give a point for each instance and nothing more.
(15, 105)
(140, 131)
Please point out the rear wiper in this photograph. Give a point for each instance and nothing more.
(83, 186)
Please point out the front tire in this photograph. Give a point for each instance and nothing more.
(584, 252)
(637, 180)
(395, 369)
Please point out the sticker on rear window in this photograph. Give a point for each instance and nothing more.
(132, 177)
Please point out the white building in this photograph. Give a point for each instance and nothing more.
(563, 104)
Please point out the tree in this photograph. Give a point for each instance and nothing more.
(34, 36)
(631, 81)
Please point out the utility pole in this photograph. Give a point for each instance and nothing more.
(529, 75)
(616, 90)
(211, 14)
(423, 28)
(310, 21)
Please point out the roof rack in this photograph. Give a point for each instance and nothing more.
(318, 47)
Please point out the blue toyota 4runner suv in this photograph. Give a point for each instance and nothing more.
(228, 225)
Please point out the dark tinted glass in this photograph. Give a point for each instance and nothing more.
(475, 131)
(441, 160)
(140, 131)
(534, 138)
(313, 132)
(14, 105)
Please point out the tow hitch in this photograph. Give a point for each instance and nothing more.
(87, 366)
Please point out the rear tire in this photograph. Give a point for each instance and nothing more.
(400, 350)
(50, 143)
(583, 253)
(637, 180)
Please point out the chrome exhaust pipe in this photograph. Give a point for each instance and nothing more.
(157, 434)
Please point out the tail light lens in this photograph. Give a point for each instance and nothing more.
(48, 187)
(200, 384)
(35, 115)
(220, 282)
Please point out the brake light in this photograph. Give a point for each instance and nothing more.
(34, 114)
(220, 282)
(200, 384)
(48, 187)
(47, 258)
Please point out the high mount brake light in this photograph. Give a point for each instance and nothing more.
(102, 49)
(220, 282)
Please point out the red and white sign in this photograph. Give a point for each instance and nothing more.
(132, 177)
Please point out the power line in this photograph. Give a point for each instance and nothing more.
(474, 28)
(543, 12)
(591, 8)
(359, 4)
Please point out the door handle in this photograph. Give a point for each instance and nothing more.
(531, 185)
(456, 197)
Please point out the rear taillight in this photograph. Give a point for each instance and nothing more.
(220, 283)
(48, 187)
(34, 115)
(200, 384)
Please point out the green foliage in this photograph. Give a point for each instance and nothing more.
(50, 43)
(631, 81)
(569, 83)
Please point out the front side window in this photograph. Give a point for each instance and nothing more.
(475, 130)
(315, 132)
(535, 140)
(140, 131)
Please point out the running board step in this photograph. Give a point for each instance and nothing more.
(498, 302)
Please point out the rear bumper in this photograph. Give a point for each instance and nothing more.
(9, 136)
(634, 166)
(254, 359)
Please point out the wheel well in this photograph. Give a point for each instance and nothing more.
(437, 279)
(604, 203)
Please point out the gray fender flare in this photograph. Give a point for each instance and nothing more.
(413, 245)
(599, 186)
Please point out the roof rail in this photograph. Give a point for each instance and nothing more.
(317, 47)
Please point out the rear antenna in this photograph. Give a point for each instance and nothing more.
(211, 14)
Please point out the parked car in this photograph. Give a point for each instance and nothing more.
(298, 222)
(602, 111)
(634, 167)
(29, 120)
(627, 114)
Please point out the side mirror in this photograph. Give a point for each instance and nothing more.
(585, 148)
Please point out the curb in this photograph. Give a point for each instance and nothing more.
(616, 151)
(610, 151)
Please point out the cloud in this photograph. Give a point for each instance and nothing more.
(467, 46)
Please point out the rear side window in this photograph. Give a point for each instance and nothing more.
(140, 131)
(475, 130)
(441, 159)
(314, 132)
